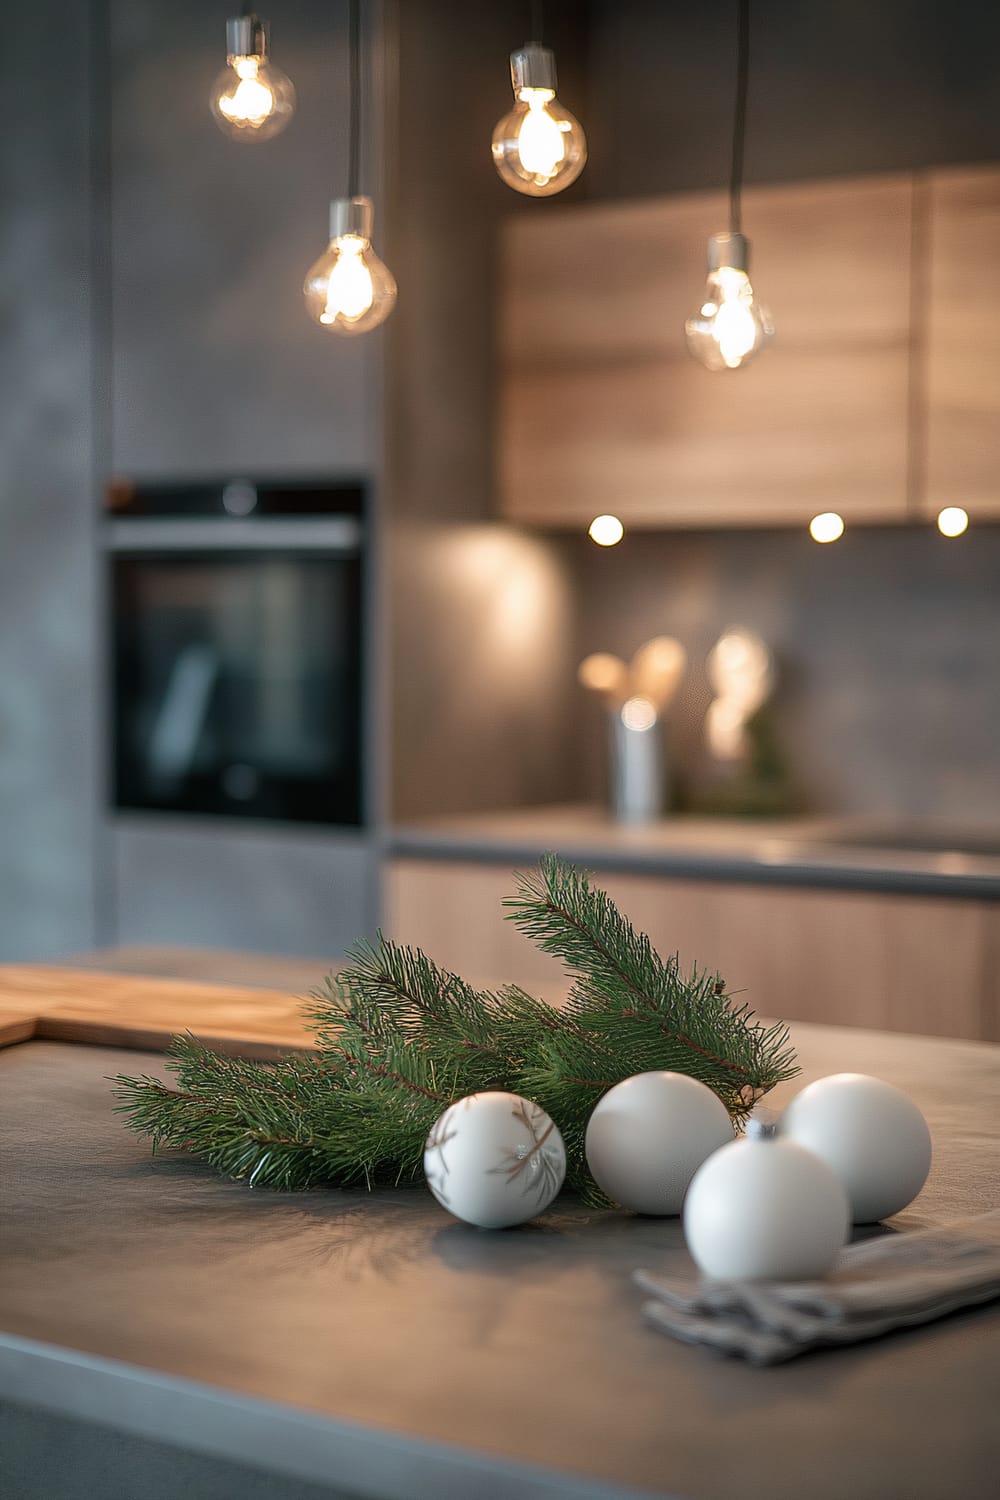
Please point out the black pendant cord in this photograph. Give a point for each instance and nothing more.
(354, 97)
(537, 21)
(739, 116)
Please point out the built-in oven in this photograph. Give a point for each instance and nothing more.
(237, 624)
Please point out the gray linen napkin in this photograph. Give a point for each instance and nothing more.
(890, 1281)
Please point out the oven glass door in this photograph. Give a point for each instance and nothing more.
(237, 685)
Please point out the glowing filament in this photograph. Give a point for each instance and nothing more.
(252, 101)
(349, 291)
(733, 328)
(540, 142)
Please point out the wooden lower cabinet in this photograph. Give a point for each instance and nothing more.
(888, 962)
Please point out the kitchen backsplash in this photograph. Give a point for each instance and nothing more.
(887, 643)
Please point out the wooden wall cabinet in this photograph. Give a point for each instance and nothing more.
(961, 340)
(878, 398)
(603, 409)
(919, 964)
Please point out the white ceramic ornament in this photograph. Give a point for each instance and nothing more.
(872, 1135)
(494, 1159)
(765, 1209)
(649, 1135)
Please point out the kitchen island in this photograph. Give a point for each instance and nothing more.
(340, 1344)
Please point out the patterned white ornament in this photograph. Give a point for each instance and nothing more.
(872, 1135)
(765, 1209)
(494, 1159)
(649, 1135)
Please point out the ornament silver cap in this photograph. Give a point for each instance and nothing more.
(352, 216)
(533, 67)
(246, 36)
(763, 1123)
(728, 250)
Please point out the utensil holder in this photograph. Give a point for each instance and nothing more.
(638, 770)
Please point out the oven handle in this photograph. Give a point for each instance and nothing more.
(339, 534)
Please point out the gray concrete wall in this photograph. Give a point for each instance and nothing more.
(49, 679)
(850, 87)
(480, 616)
(216, 364)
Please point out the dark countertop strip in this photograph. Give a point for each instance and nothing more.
(782, 854)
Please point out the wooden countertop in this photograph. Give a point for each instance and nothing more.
(372, 1344)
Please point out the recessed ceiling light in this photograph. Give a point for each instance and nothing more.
(606, 531)
(953, 520)
(826, 527)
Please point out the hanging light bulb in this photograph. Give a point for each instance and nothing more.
(539, 148)
(731, 325)
(251, 99)
(349, 290)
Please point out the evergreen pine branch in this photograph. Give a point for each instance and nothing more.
(247, 1119)
(399, 1038)
(654, 1016)
(390, 991)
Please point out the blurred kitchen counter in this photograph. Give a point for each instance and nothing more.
(860, 854)
(811, 920)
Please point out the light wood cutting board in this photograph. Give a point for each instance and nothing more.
(124, 1010)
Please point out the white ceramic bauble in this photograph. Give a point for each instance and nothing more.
(494, 1159)
(765, 1209)
(649, 1135)
(872, 1135)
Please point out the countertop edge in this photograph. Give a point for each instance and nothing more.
(690, 864)
(250, 1430)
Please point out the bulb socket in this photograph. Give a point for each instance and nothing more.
(533, 67)
(729, 250)
(246, 36)
(351, 216)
